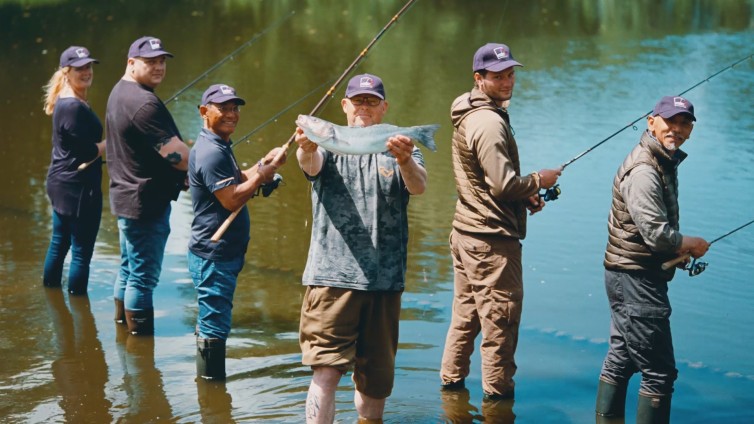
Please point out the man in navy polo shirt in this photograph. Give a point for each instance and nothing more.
(147, 162)
(219, 187)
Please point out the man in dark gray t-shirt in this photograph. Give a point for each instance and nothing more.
(147, 163)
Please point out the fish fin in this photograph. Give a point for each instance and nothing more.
(426, 136)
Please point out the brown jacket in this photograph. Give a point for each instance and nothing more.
(491, 191)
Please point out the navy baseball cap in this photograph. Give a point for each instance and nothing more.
(221, 93)
(670, 106)
(147, 47)
(76, 56)
(493, 57)
(365, 84)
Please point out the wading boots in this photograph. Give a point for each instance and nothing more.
(210, 358)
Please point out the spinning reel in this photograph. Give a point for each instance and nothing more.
(695, 268)
(551, 193)
(268, 188)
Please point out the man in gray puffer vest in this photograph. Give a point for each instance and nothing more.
(643, 232)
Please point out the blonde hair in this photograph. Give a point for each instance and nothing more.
(53, 88)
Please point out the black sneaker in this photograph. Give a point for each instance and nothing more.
(454, 385)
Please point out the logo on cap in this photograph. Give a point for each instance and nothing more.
(366, 82)
(154, 44)
(81, 53)
(501, 53)
(680, 102)
(226, 90)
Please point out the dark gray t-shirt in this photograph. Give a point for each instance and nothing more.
(142, 182)
(360, 223)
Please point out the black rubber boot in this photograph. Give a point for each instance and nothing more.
(611, 400)
(140, 323)
(653, 409)
(120, 311)
(210, 359)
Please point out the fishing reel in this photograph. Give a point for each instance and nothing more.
(551, 193)
(695, 268)
(268, 188)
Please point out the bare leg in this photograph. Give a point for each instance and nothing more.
(370, 409)
(320, 401)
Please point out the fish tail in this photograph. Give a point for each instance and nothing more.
(426, 136)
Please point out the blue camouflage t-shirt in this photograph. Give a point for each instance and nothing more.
(360, 223)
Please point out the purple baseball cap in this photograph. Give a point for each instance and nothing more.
(494, 57)
(670, 106)
(147, 47)
(76, 56)
(365, 84)
(221, 93)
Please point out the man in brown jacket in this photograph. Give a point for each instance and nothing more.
(489, 223)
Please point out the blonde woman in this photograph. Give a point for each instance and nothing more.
(75, 195)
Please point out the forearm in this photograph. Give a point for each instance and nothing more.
(414, 176)
(310, 162)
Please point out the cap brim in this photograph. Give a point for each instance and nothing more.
(155, 54)
(502, 66)
(82, 62)
(357, 92)
(671, 113)
(223, 99)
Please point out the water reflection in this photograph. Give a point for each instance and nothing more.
(80, 371)
(142, 381)
(457, 407)
(215, 403)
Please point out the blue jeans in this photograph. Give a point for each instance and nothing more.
(142, 247)
(77, 234)
(215, 283)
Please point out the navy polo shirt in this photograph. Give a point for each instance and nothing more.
(212, 166)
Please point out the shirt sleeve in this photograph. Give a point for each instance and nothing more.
(642, 190)
(154, 121)
(218, 172)
(486, 136)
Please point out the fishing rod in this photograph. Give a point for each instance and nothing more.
(553, 192)
(230, 55)
(220, 231)
(277, 115)
(696, 268)
(214, 67)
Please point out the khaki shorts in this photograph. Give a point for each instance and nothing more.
(341, 328)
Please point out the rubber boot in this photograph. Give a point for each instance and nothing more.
(611, 400)
(140, 323)
(653, 409)
(120, 311)
(210, 359)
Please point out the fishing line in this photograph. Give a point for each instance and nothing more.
(553, 192)
(212, 68)
(697, 268)
(277, 115)
(230, 55)
(220, 231)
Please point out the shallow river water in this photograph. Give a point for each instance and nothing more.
(591, 68)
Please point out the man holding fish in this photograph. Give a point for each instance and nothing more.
(355, 270)
(488, 226)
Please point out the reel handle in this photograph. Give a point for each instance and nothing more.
(673, 262)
